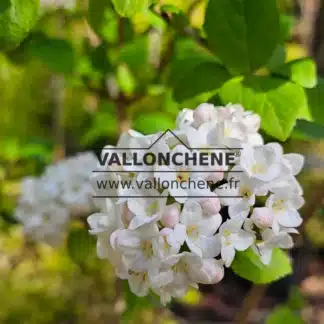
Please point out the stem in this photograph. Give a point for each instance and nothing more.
(121, 102)
(58, 101)
(250, 302)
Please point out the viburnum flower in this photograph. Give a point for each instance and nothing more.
(150, 205)
(200, 230)
(167, 226)
(284, 205)
(175, 237)
(142, 248)
(48, 203)
(260, 162)
(273, 240)
(240, 194)
(233, 238)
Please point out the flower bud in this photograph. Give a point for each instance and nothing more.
(211, 272)
(210, 205)
(215, 176)
(262, 217)
(171, 216)
(204, 113)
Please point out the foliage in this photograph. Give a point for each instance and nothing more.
(137, 63)
(17, 18)
(249, 266)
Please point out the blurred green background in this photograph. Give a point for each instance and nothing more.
(81, 77)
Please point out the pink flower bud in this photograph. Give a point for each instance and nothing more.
(210, 205)
(262, 217)
(204, 113)
(211, 272)
(171, 216)
(215, 176)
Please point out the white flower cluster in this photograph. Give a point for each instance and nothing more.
(168, 239)
(64, 191)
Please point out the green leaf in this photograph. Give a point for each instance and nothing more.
(125, 80)
(105, 124)
(100, 18)
(99, 59)
(135, 303)
(135, 54)
(188, 56)
(309, 130)
(302, 72)
(203, 78)
(4, 5)
(278, 58)
(315, 98)
(296, 300)
(170, 8)
(283, 315)
(248, 266)
(57, 54)
(81, 245)
(17, 18)
(128, 8)
(287, 24)
(150, 123)
(278, 102)
(243, 33)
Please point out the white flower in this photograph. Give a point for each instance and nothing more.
(171, 215)
(103, 225)
(204, 113)
(173, 239)
(140, 283)
(284, 205)
(233, 237)
(239, 193)
(211, 272)
(200, 230)
(45, 222)
(149, 206)
(29, 191)
(185, 267)
(150, 146)
(185, 118)
(273, 240)
(262, 217)
(181, 179)
(142, 248)
(210, 205)
(262, 162)
(294, 162)
(158, 210)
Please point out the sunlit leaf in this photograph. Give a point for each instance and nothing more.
(150, 123)
(128, 8)
(302, 72)
(249, 266)
(17, 18)
(277, 101)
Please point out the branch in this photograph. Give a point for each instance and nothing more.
(250, 302)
